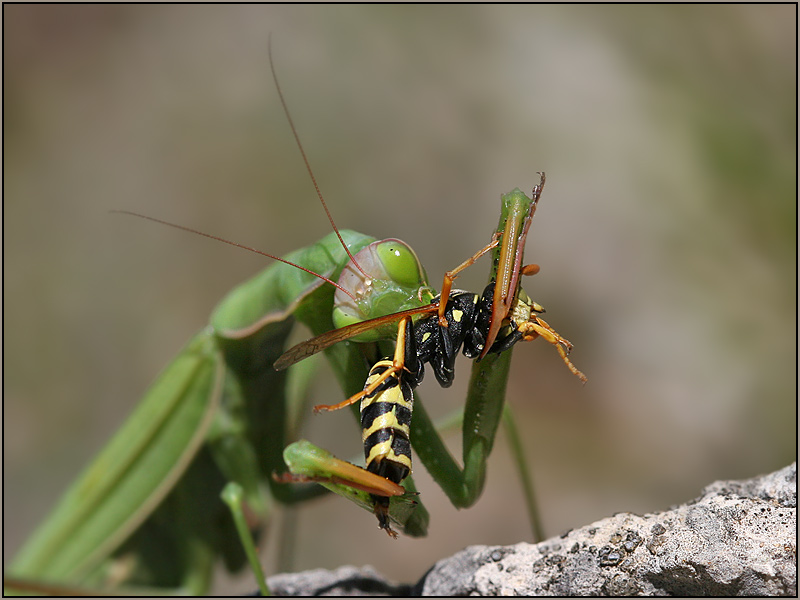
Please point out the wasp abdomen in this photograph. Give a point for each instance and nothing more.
(385, 428)
(385, 424)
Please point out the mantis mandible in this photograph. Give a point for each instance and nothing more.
(219, 412)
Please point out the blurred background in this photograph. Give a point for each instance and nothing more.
(666, 233)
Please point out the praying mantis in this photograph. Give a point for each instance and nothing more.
(146, 514)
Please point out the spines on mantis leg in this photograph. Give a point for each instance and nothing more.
(487, 389)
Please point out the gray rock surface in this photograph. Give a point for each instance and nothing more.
(344, 581)
(739, 538)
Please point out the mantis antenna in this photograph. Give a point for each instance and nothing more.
(305, 159)
(242, 246)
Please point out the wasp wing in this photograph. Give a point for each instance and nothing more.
(317, 344)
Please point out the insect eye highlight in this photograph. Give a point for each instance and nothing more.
(400, 262)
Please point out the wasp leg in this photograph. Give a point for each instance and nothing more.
(539, 328)
(404, 333)
(450, 276)
(381, 511)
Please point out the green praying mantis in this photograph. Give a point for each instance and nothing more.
(146, 515)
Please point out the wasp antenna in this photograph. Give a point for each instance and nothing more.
(305, 158)
(229, 242)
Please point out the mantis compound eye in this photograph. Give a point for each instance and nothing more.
(400, 262)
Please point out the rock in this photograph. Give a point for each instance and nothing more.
(739, 538)
(344, 581)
